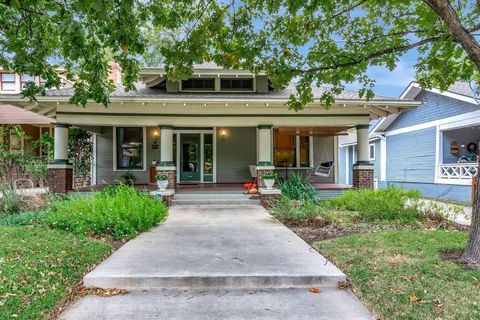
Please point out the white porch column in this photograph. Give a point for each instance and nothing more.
(166, 146)
(167, 165)
(362, 144)
(60, 171)
(60, 151)
(264, 145)
(363, 169)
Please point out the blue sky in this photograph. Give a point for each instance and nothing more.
(392, 83)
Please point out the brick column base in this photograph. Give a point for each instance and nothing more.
(171, 173)
(260, 172)
(363, 176)
(60, 178)
(165, 195)
(269, 197)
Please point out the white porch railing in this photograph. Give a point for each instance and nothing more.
(460, 173)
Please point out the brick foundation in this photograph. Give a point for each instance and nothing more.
(269, 200)
(363, 177)
(167, 199)
(60, 180)
(81, 181)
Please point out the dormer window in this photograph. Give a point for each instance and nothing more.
(236, 84)
(201, 84)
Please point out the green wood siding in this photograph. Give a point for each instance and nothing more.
(235, 152)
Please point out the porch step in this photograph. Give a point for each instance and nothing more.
(213, 198)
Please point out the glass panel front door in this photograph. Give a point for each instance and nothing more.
(190, 157)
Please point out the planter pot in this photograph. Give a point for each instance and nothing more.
(269, 183)
(162, 184)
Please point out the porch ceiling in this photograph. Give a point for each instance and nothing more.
(314, 131)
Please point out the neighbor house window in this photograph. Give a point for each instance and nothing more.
(25, 78)
(7, 81)
(236, 84)
(371, 152)
(129, 143)
(284, 150)
(199, 84)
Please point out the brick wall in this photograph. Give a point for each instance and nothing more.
(363, 178)
(60, 180)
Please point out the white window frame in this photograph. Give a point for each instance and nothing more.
(297, 152)
(370, 151)
(144, 151)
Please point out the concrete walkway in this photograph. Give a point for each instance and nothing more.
(229, 262)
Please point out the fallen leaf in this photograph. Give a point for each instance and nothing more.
(342, 285)
(413, 298)
(314, 290)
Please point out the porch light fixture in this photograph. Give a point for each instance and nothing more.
(223, 133)
(155, 134)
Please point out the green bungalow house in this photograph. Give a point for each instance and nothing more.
(210, 129)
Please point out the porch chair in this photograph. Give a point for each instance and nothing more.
(323, 170)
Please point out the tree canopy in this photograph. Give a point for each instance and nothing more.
(313, 42)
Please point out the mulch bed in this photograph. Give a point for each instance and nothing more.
(306, 230)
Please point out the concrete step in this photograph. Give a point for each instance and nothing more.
(286, 304)
(209, 281)
(213, 199)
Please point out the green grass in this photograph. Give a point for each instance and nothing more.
(39, 268)
(400, 274)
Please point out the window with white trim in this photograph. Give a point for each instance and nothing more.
(129, 142)
(26, 78)
(286, 147)
(200, 84)
(371, 151)
(7, 82)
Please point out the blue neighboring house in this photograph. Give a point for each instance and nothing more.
(431, 148)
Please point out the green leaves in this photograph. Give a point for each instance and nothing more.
(311, 42)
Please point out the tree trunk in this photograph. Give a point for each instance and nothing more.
(471, 256)
(448, 14)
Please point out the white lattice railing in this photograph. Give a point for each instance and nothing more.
(458, 171)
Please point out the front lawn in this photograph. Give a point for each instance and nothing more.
(40, 267)
(400, 274)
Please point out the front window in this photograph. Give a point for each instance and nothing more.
(129, 148)
(7, 81)
(25, 78)
(236, 84)
(199, 84)
(304, 151)
(284, 149)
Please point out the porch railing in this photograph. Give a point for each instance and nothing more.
(458, 171)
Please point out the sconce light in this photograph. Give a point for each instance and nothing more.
(155, 134)
(223, 133)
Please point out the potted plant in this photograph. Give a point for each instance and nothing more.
(162, 180)
(128, 178)
(269, 178)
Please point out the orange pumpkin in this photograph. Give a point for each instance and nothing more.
(252, 190)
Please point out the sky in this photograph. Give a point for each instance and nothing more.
(392, 83)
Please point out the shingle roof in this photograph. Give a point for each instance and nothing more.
(12, 115)
(461, 87)
(146, 92)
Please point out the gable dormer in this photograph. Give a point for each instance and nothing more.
(208, 78)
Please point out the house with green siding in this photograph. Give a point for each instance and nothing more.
(210, 129)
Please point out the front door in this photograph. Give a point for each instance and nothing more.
(190, 157)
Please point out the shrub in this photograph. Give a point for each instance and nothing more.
(298, 188)
(390, 204)
(10, 201)
(120, 212)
